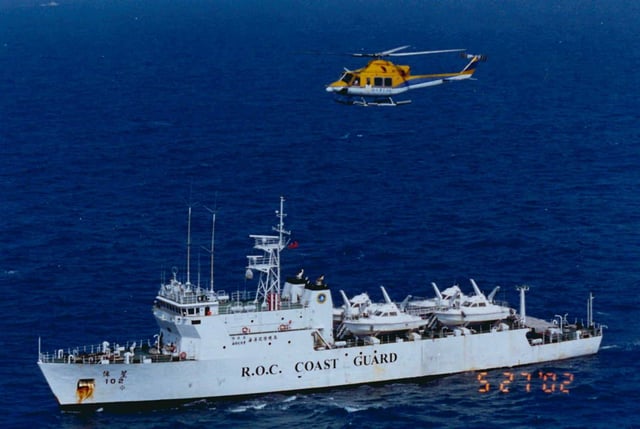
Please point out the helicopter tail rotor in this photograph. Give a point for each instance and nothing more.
(478, 57)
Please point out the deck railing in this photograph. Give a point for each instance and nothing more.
(98, 353)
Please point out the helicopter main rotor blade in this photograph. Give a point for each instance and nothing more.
(381, 54)
(391, 51)
(406, 54)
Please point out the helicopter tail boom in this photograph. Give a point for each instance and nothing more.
(423, 81)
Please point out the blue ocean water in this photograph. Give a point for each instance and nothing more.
(117, 115)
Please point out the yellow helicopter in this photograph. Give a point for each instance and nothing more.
(379, 80)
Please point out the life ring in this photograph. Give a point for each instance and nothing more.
(283, 327)
(246, 330)
(183, 355)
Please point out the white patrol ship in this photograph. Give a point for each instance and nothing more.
(215, 345)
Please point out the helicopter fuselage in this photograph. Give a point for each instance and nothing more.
(377, 78)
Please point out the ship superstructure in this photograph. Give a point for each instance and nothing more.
(290, 337)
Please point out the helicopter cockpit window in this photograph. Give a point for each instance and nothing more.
(346, 78)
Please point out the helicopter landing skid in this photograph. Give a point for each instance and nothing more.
(380, 102)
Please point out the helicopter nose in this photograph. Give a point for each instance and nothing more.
(336, 89)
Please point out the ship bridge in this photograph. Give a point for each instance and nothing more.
(185, 299)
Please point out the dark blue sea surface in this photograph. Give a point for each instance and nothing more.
(115, 116)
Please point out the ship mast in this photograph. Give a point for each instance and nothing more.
(268, 264)
(212, 249)
(189, 249)
(213, 235)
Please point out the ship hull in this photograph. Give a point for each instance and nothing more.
(90, 386)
